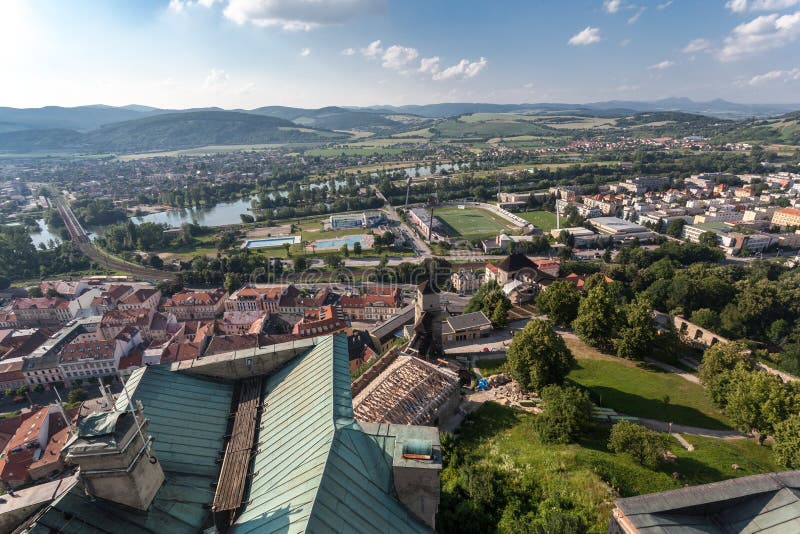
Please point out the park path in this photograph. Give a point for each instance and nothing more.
(672, 369)
(663, 426)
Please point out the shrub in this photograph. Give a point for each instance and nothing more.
(642, 444)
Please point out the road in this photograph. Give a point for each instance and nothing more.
(420, 247)
(81, 239)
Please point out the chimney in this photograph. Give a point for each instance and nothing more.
(115, 459)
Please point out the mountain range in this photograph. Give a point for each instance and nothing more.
(137, 128)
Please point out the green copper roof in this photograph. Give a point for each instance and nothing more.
(188, 418)
(315, 470)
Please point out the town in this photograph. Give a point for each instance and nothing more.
(359, 266)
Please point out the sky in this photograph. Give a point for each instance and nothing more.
(313, 53)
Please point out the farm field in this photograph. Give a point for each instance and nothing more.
(470, 222)
(543, 220)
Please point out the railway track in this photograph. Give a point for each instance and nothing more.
(80, 237)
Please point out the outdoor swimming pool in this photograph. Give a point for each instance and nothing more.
(271, 241)
(350, 240)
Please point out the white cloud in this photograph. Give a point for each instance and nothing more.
(179, 6)
(697, 45)
(372, 50)
(305, 52)
(625, 42)
(294, 15)
(349, 52)
(760, 34)
(612, 6)
(776, 75)
(586, 36)
(396, 57)
(216, 80)
(661, 65)
(635, 17)
(528, 85)
(463, 69)
(665, 5)
(741, 6)
(429, 64)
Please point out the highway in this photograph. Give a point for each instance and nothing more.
(81, 239)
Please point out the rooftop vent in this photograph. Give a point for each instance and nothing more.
(418, 449)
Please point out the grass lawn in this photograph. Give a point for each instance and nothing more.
(543, 220)
(586, 476)
(638, 390)
(470, 222)
(489, 367)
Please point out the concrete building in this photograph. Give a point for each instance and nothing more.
(196, 305)
(619, 229)
(325, 320)
(356, 220)
(465, 282)
(251, 298)
(786, 217)
(143, 298)
(41, 311)
(583, 237)
(371, 307)
(465, 327)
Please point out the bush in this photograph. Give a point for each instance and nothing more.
(567, 412)
(642, 444)
(78, 395)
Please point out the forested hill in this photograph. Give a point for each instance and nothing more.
(167, 132)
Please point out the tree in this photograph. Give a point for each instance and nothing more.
(78, 395)
(756, 401)
(567, 411)
(287, 247)
(357, 248)
(247, 218)
(299, 264)
(787, 442)
(538, 357)
(489, 299)
(156, 261)
(675, 227)
(718, 362)
(559, 301)
(642, 444)
(232, 282)
(345, 251)
(500, 314)
(709, 239)
(35, 292)
(638, 336)
(706, 317)
(334, 261)
(598, 318)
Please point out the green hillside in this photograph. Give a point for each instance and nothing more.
(168, 132)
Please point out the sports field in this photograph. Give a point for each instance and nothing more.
(470, 223)
(543, 220)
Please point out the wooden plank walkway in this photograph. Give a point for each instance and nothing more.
(236, 462)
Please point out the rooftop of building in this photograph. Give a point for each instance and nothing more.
(314, 468)
(767, 503)
(404, 392)
(467, 321)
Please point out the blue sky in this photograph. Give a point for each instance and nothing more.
(311, 53)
